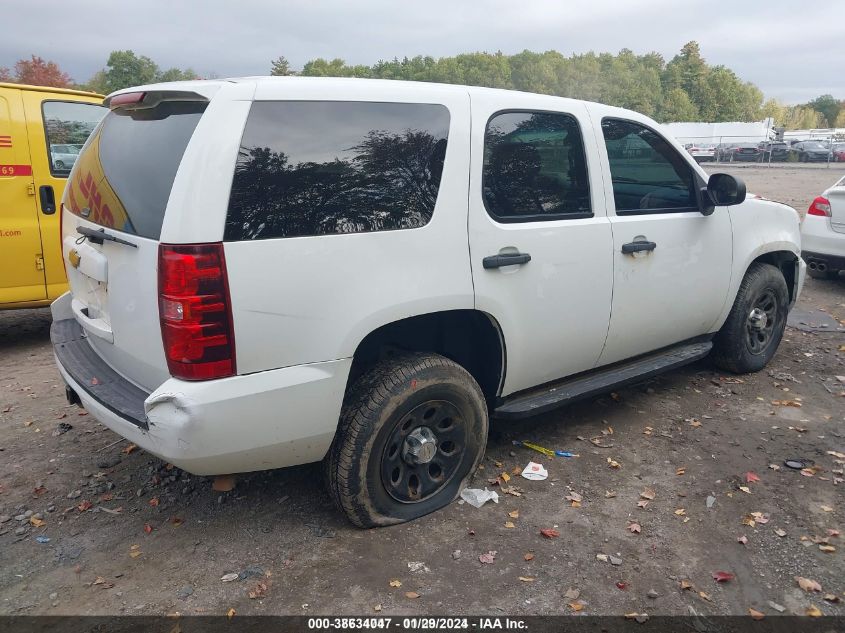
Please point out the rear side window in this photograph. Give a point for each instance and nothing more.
(67, 125)
(648, 174)
(126, 171)
(322, 168)
(535, 167)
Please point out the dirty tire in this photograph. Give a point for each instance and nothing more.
(732, 350)
(388, 394)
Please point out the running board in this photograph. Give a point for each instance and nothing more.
(553, 395)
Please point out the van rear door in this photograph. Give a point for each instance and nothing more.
(21, 264)
(114, 209)
(58, 125)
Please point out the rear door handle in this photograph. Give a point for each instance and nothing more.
(48, 199)
(505, 259)
(638, 247)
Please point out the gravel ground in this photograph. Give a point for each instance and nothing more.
(89, 526)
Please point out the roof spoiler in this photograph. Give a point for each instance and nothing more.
(142, 100)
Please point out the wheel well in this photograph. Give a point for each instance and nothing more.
(469, 337)
(786, 262)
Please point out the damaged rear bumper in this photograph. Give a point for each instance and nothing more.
(259, 421)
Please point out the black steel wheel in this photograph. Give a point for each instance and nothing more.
(754, 328)
(412, 431)
(424, 451)
(761, 322)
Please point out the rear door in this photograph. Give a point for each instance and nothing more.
(21, 265)
(121, 183)
(57, 130)
(540, 241)
(671, 264)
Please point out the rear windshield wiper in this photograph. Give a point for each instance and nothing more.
(98, 236)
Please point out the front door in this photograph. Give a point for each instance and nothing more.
(540, 241)
(21, 265)
(671, 264)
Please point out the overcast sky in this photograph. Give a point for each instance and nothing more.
(793, 50)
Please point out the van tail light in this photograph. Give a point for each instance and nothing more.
(195, 311)
(819, 206)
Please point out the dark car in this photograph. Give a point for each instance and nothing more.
(773, 151)
(807, 151)
(745, 152)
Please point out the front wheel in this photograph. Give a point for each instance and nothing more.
(412, 431)
(754, 328)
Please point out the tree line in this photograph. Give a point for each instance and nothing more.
(686, 88)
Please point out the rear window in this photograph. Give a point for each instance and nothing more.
(126, 171)
(322, 168)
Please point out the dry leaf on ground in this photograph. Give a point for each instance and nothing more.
(807, 584)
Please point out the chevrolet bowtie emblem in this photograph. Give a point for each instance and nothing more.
(74, 257)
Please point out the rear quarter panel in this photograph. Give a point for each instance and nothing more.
(311, 299)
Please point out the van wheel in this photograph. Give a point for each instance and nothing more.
(59, 164)
(754, 328)
(412, 431)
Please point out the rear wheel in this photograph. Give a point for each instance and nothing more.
(412, 430)
(754, 328)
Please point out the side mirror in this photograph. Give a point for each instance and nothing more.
(723, 190)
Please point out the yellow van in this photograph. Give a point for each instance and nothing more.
(42, 131)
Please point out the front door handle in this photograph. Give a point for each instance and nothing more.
(505, 259)
(48, 199)
(638, 247)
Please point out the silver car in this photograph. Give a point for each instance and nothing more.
(64, 156)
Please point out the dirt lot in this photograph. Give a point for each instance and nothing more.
(128, 535)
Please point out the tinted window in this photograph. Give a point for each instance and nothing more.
(534, 167)
(67, 126)
(127, 170)
(647, 173)
(321, 168)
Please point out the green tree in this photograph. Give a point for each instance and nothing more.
(176, 74)
(685, 89)
(828, 107)
(125, 69)
(280, 67)
(677, 106)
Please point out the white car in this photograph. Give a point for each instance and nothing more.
(63, 157)
(703, 152)
(823, 233)
(286, 270)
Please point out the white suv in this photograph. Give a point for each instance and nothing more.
(285, 270)
(823, 233)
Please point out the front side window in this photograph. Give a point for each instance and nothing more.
(67, 126)
(535, 167)
(648, 175)
(327, 167)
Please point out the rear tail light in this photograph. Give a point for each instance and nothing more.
(819, 206)
(195, 311)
